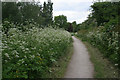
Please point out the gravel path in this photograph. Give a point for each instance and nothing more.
(80, 65)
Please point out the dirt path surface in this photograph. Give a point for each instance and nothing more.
(80, 65)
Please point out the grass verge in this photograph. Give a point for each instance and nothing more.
(102, 66)
(59, 68)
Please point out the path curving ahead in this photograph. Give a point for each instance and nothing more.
(80, 65)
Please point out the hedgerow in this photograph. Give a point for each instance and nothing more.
(105, 39)
(31, 53)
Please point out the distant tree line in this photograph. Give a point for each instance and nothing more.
(24, 13)
(102, 14)
(62, 22)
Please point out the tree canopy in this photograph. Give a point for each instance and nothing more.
(22, 11)
(61, 21)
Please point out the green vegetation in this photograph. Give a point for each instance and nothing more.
(101, 30)
(33, 45)
(59, 67)
(25, 11)
(103, 12)
(107, 43)
(61, 21)
(30, 54)
(20, 13)
(103, 67)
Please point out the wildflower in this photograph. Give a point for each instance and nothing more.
(27, 49)
(6, 54)
(33, 56)
(116, 64)
(17, 56)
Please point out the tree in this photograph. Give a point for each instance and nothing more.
(61, 21)
(20, 12)
(47, 13)
(70, 28)
(10, 11)
(104, 12)
(32, 11)
(74, 24)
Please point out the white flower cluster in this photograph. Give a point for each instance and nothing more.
(34, 47)
(108, 40)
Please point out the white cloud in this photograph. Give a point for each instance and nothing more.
(75, 10)
(73, 15)
(71, 1)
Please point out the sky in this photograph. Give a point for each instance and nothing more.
(75, 10)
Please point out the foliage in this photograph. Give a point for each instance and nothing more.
(90, 22)
(22, 11)
(10, 11)
(101, 29)
(107, 42)
(74, 24)
(103, 68)
(61, 21)
(103, 14)
(105, 11)
(23, 26)
(47, 13)
(31, 53)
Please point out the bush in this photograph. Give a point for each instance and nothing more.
(30, 54)
(107, 42)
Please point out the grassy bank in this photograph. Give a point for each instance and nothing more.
(102, 66)
(59, 68)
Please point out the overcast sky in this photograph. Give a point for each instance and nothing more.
(75, 10)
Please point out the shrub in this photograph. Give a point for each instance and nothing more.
(30, 54)
(107, 42)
